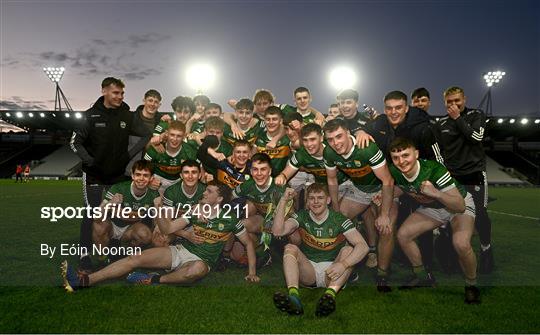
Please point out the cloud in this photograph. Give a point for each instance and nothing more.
(17, 103)
(100, 57)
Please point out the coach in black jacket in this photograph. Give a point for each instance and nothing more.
(102, 145)
(410, 122)
(462, 133)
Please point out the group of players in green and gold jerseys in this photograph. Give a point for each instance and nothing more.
(231, 186)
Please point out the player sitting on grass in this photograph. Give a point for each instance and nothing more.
(188, 261)
(323, 259)
(442, 200)
(132, 194)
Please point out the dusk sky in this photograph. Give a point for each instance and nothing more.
(277, 45)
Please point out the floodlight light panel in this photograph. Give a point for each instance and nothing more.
(19, 115)
(342, 78)
(537, 121)
(200, 76)
(512, 120)
(66, 115)
(500, 121)
(524, 121)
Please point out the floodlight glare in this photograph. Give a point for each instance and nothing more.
(19, 115)
(200, 77)
(500, 121)
(42, 114)
(524, 121)
(66, 115)
(493, 77)
(31, 114)
(54, 73)
(8, 114)
(537, 121)
(512, 120)
(342, 78)
(78, 115)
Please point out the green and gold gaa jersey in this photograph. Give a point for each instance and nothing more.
(176, 196)
(432, 171)
(322, 240)
(279, 155)
(250, 135)
(261, 198)
(129, 199)
(308, 118)
(168, 166)
(216, 233)
(358, 165)
(303, 161)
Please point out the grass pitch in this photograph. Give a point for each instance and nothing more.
(31, 300)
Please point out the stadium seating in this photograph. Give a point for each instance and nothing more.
(60, 163)
(497, 176)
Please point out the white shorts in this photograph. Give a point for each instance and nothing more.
(320, 274)
(348, 190)
(181, 256)
(444, 216)
(301, 180)
(165, 183)
(118, 232)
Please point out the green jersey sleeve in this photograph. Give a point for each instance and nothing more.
(374, 155)
(161, 127)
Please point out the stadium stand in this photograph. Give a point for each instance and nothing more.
(61, 163)
(497, 174)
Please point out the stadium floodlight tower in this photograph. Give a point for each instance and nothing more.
(200, 77)
(342, 78)
(55, 74)
(491, 79)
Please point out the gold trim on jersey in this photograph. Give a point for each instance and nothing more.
(320, 243)
(232, 141)
(170, 169)
(224, 178)
(211, 236)
(279, 152)
(355, 172)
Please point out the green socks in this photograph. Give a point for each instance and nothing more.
(331, 292)
(294, 291)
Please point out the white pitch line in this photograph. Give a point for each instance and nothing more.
(515, 215)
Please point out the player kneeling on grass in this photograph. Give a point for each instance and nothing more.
(441, 200)
(132, 194)
(188, 261)
(323, 259)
